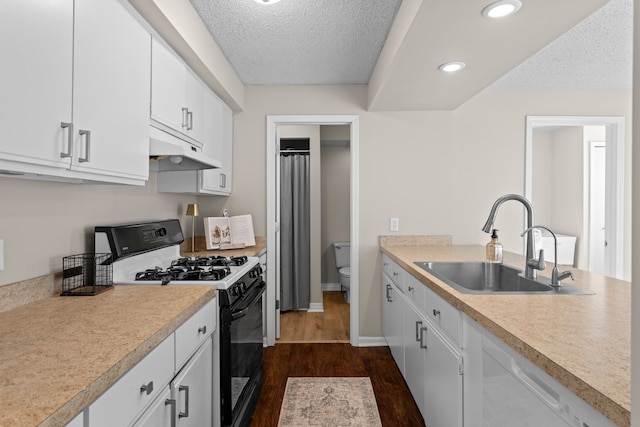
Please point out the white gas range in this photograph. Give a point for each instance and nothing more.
(149, 254)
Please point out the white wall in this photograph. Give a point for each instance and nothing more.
(41, 222)
(489, 145)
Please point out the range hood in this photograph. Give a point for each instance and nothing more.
(170, 153)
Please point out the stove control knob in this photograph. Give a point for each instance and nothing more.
(234, 291)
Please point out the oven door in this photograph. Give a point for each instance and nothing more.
(243, 370)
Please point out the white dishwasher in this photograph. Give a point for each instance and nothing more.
(516, 393)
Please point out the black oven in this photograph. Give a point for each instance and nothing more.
(241, 347)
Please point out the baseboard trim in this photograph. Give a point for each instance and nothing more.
(372, 342)
(331, 286)
(316, 307)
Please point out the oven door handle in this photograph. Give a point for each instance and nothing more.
(258, 294)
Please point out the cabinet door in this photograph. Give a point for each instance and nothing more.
(194, 102)
(192, 389)
(392, 320)
(36, 46)
(137, 389)
(219, 181)
(160, 413)
(443, 375)
(167, 88)
(414, 354)
(112, 59)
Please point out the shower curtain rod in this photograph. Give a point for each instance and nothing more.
(285, 152)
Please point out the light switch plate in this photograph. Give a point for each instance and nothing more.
(1, 254)
(394, 224)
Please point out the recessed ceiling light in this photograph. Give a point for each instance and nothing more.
(450, 67)
(267, 1)
(501, 8)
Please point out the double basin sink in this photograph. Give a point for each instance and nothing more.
(494, 278)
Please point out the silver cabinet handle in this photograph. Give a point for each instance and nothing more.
(148, 388)
(436, 312)
(388, 292)
(87, 137)
(418, 329)
(185, 111)
(189, 120)
(65, 125)
(223, 180)
(410, 288)
(422, 345)
(184, 388)
(202, 329)
(172, 402)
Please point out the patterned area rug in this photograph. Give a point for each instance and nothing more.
(329, 402)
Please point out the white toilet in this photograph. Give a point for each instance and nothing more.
(342, 255)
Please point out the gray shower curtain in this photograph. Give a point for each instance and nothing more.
(295, 259)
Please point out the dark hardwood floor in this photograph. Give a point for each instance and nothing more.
(395, 404)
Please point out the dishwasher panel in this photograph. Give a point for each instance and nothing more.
(517, 393)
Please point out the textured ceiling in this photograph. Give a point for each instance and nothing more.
(300, 41)
(596, 53)
(586, 44)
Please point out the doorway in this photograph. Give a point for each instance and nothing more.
(613, 182)
(274, 123)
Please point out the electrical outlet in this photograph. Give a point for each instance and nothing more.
(394, 224)
(1, 255)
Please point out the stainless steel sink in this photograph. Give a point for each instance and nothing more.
(490, 278)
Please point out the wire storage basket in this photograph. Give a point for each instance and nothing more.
(87, 274)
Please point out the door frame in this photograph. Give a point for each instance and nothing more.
(272, 220)
(614, 210)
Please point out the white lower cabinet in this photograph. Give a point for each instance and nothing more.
(460, 374)
(136, 389)
(443, 371)
(393, 306)
(433, 370)
(160, 413)
(171, 386)
(192, 389)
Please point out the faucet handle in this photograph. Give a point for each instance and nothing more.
(538, 264)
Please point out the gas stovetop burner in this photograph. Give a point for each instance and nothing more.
(209, 261)
(184, 269)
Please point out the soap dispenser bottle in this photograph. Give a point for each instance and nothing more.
(494, 248)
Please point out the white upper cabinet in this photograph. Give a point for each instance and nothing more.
(75, 90)
(218, 181)
(111, 91)
(177, 96)
(218, 144)
(36, 45)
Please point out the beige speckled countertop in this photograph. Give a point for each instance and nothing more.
(58, 354)
(583, 341)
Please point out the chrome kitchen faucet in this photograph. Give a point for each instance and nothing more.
(530, 271)
(556, 276)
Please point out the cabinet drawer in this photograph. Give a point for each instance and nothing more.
(386, 265)
(120, 405)
(415, 291)
(394, 272)
(195, 331)
(443, 314)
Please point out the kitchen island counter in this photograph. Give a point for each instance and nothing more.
(583, 341)
(58, 354)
